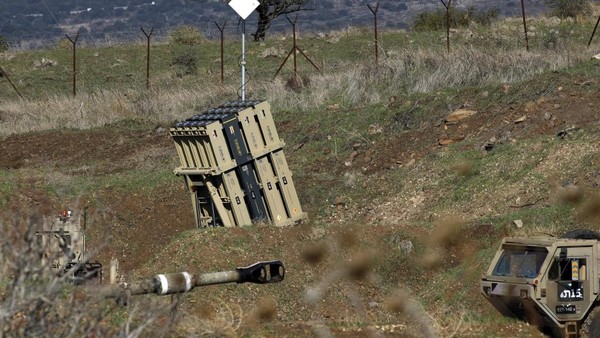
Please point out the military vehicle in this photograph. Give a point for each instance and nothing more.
(63, 243)
(552, 283)
(166, 284)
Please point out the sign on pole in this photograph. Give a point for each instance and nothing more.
(244, 8)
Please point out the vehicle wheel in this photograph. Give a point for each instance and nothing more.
(582, 234)
(591, 325)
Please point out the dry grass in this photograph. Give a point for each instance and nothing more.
(422, 69)
(35, 302)
(101, 108)
(356, 266)
(402, 304)
(218, 319)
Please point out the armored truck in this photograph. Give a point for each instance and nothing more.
(552, 283)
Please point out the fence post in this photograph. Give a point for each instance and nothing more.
(74, 43)
(447, 5)
(3, 72)
(525, 25)
(594, 32)
(374, 11)
(221, 28)
(295, 45)
(294, 49)
(148, 36)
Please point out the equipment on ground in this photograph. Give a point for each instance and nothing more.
(166, 284)
(234, 167)
(63, 244)
(553, 283)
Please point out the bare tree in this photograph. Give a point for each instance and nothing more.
(269, 10)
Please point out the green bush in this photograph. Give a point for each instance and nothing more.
(184, 44)
(186, 35)
(3, 44)
(432, 21)
(185, 63)
(568, 8)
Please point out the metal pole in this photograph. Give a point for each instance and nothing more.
(148, 61)
(75, 68)
(2, 72)
(295, 48)
(74, 43)
(293, 51)
(448, 26)
(221, 28)
(84, 230)
(525, 25)
(222, 60)
(594, 32)
(376, 39)
(447, 6)
(284, 61)
(243, 60)
(374, 11)
(147, 55)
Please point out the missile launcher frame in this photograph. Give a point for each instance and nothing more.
(234, 167)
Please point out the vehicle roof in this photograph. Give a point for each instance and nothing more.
(531, 241)
(544, 241)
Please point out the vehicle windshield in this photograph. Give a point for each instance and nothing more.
(520, 261)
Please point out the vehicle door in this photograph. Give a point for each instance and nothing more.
(569, 286)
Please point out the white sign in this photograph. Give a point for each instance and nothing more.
(244, 7)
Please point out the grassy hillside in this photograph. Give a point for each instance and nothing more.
(406, 208)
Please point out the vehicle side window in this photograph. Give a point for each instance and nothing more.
(569, 269)
(502, 268)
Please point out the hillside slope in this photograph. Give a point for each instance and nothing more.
(407, 202)
(397, 188)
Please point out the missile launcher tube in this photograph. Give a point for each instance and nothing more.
(234, 166)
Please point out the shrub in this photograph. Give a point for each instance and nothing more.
(568, 8)
(186, 35)
(432, 21)
(185, 63)
(3, 44)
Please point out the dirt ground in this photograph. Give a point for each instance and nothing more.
(135, 229)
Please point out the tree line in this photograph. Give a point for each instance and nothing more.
(26, 21)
